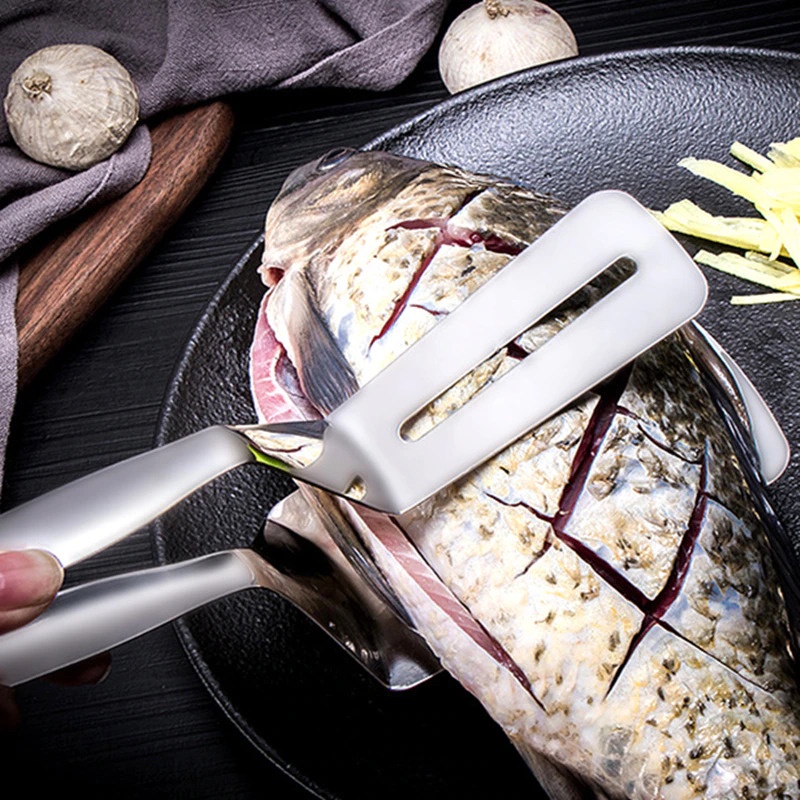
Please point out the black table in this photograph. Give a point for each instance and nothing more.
(151, 729)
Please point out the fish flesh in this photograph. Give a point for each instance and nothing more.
(613, 587)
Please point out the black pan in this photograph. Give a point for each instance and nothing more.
(621, 121)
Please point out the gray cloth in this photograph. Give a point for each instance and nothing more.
(181, 52)
(8, 355)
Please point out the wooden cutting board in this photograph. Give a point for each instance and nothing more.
(64, 281)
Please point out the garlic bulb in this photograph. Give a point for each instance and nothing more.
(498, 37)
(71, 105)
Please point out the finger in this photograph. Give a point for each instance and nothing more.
(9, 712)
(91, 671)
(17, 617)
(29, 579)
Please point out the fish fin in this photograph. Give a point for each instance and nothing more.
(557, 782)
(326, 377)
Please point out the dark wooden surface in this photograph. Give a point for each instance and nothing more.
(151, 730)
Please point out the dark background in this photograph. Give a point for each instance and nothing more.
(151, 729)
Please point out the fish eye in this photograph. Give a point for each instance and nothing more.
(334, 158)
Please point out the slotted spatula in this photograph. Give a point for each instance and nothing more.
(362, 453)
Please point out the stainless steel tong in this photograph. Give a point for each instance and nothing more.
(359, 451)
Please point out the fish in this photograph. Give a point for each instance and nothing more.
(614, 587)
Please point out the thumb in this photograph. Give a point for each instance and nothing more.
(29, 579)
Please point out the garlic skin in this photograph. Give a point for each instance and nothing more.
(498, 37)
(71, 105)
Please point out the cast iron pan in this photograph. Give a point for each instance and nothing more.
(620, 121)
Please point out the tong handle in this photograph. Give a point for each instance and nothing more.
(81, 518)
(97, 616)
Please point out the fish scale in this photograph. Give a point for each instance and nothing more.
(616, 559)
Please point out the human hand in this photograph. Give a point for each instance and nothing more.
(29, 580)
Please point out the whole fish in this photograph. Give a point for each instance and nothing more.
(609, 586)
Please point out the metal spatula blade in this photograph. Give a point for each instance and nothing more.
(362, 444)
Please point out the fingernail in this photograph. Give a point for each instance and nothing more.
(28, 578)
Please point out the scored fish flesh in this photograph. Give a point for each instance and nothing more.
(613, 587)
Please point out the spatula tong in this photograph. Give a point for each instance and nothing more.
(301, 561)
(362, 449)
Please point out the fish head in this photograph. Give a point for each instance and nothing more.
(320, 202)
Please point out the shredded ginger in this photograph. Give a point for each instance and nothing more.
(771, 241)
